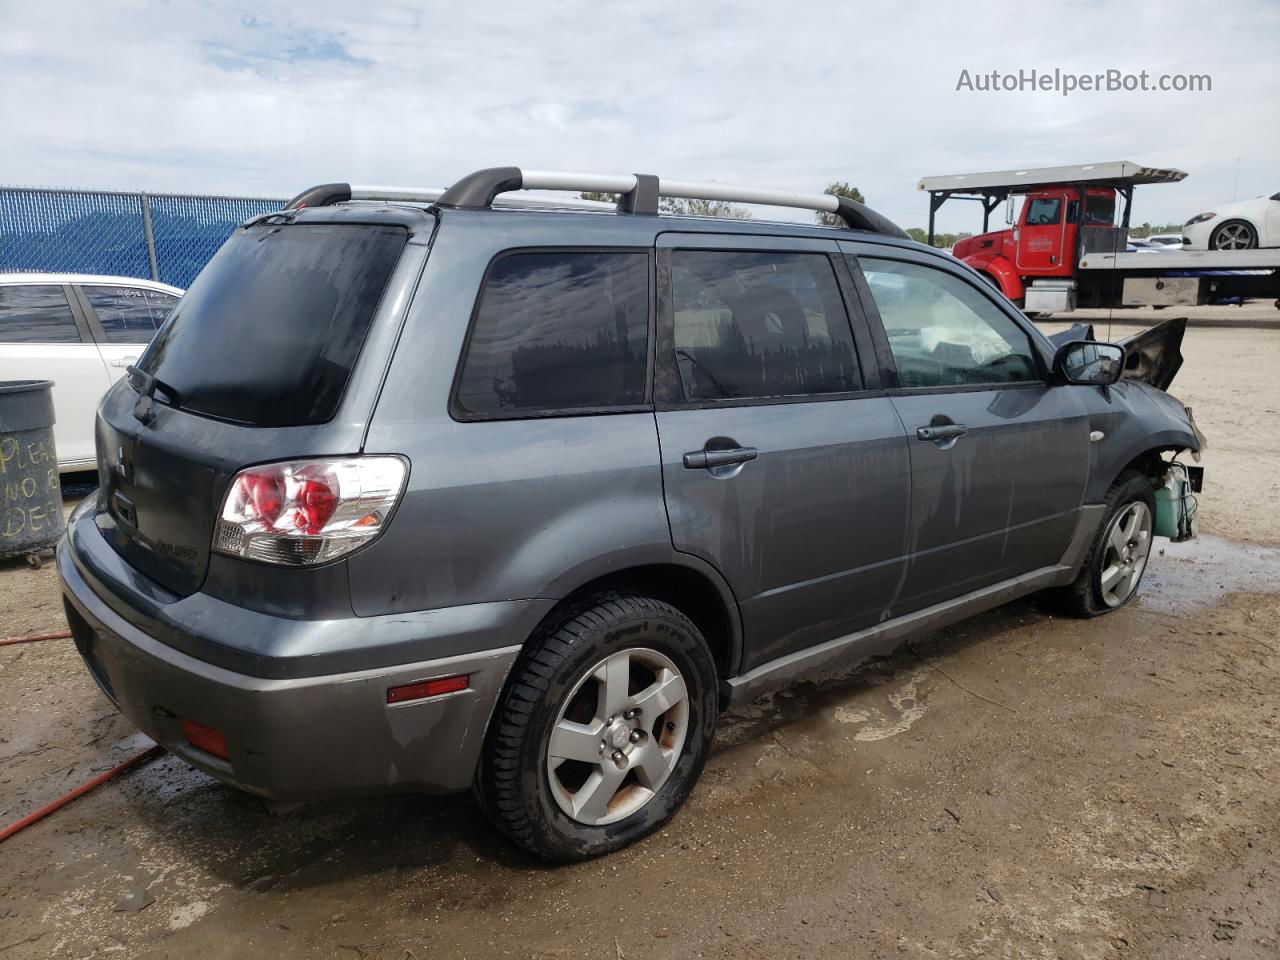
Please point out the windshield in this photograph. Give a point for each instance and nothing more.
(271, 329)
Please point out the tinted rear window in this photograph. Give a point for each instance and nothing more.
(558, 332)
(269, 332)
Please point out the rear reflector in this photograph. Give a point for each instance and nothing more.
(427, 688)
(205, 738)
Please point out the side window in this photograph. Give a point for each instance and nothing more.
(942, 331)
(36, 314)
(1044, 211)
(758, 325)
(557, 332)
(129, 314)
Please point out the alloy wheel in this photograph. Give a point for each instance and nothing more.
(1233, 236)
(617, 736)
(1126, 547)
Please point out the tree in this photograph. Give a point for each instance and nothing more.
(679, 207)
(1147, 229)
(839, 189)
(940, 240)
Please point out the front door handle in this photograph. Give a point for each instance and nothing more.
(945, 431)
(707, 459)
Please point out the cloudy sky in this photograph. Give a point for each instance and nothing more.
(266, 98)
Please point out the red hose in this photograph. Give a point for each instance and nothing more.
(62, 801)
(5, 641)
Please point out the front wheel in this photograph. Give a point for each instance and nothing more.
(602, 730)
(1233, 235)
(1109, 577)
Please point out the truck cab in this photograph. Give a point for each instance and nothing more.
(1042, 239)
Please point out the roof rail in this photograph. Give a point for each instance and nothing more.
(330, 193)
(637, 193)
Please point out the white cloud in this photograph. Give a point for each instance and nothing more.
(275, 96)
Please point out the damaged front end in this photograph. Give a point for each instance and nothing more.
(1139, 424)
(1153, 356)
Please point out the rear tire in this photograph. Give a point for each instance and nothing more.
(602, 730)
(1117, 558)
(1233, 235)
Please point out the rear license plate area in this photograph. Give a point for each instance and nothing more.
(86, 641)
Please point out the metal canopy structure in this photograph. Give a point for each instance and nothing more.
(994, 187)
(1115, 173)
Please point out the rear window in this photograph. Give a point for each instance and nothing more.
(558, 332)
(271, 329)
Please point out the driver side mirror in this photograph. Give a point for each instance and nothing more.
(1008, 209)
(1087, 361)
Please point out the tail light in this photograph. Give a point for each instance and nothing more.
(308, 511)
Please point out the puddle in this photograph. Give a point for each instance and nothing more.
(1203, 571)
(908, 708)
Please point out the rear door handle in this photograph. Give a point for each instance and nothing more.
(706, 459)
(944, 431)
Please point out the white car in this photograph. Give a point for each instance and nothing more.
(1236, 226)
(1166, 241)
(81, 332)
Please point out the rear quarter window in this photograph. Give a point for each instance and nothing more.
(557, 332)
(128, 314)
(271, 329)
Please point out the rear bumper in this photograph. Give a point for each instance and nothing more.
(300, 737)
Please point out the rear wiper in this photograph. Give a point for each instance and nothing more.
(147, 385)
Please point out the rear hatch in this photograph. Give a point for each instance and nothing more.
(255, 364)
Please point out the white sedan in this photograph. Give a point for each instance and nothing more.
(81, 332)
(1236, 226)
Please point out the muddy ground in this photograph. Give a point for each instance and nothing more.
(1019, 785)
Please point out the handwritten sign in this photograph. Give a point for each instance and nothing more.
(30, 494)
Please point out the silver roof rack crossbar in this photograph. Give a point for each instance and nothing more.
(637, 193)
(331, 193)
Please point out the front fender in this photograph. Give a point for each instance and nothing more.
(1134, 419)
(1001, 270)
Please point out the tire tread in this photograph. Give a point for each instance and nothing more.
(499, 778)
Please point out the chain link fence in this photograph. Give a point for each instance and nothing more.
(166, 237)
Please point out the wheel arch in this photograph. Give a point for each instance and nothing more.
(692, 587)
(1000, 271)
(1248, 221)
(1149, 461)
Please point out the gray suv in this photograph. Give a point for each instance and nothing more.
(422, 492)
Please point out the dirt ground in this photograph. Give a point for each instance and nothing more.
(1016, 786)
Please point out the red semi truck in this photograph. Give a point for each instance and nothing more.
(1059, 254)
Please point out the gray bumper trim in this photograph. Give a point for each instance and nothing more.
(293, 738)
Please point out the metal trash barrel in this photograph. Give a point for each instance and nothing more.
(30, 493)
